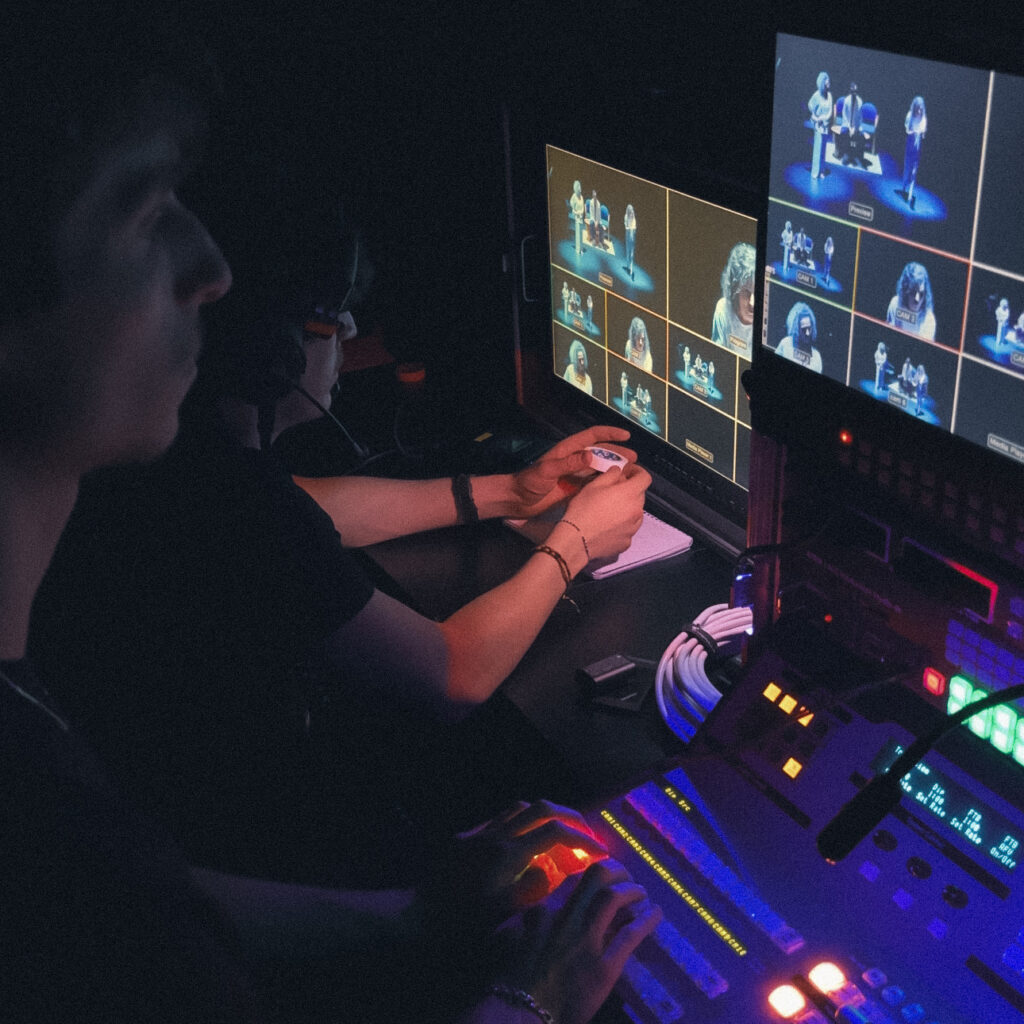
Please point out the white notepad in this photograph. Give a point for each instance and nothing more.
(654, 541)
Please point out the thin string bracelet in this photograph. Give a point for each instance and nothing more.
(517, 997)
(586, 546)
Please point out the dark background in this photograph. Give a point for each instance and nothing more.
(401, 107)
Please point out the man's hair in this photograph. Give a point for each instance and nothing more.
(799, 310)
(915, 274)
(575, 348)
(739, 270)
(637, 328)
(74, 80)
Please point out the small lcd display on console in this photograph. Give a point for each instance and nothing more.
(958, 807)
(653, 307)
(894, 257)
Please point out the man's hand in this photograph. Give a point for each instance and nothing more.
(561, 471)
(508, 863)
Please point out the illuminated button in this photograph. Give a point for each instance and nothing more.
(828, 979)
(805, 720)
(870, 870)
(903, 899)
(792, 767)
(893, 995)
(1004, 728)
(981, 723)
(875, 977)
(934, 682)
(960, 692)
(1018, 743)
(1014, 958)
(787, 1001)
(772, 691)
(912, 1013)
(788, 703)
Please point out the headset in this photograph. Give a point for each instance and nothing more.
(259, 332)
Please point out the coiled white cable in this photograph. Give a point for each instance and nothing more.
(682, 688)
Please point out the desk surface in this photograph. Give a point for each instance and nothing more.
(636, 613)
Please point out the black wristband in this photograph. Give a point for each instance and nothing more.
(465, 507)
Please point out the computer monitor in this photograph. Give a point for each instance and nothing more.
(894, 263)
(652, 320)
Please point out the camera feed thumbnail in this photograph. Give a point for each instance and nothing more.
(895, 213)
(652, 306)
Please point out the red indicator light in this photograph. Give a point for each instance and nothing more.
(845, 437)
(828, 618)
(934, 682)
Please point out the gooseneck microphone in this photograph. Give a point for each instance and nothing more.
(860, 815)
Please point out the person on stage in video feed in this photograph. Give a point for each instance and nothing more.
(800, 249)
(916, 123)
(734, 311)
(786, 241)
(821, 108)
(638, 347)
(920, 388)
(1016, 334)
(629, 223)
(596, 237)
(911, 308)
(577, 371)
(578, 207)
(851, 127)
(882, 364)
(1002, 319)
(798, 345)
(829, 250)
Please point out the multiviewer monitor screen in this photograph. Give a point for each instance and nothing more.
(652, 313)
(895, 219)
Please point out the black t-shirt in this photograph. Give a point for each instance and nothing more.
(182, 624)
(99, 919)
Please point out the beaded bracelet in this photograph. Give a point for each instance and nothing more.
(563, 567)
(517, 997)
(465, 506)
(586, 547)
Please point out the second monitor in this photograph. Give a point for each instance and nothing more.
(652, 295)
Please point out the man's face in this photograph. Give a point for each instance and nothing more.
(324, 357)
(915, 295)
(110, 363)
(580, 360)
(804, 330)
(745, 303)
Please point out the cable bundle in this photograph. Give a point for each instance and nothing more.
(683, 690)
